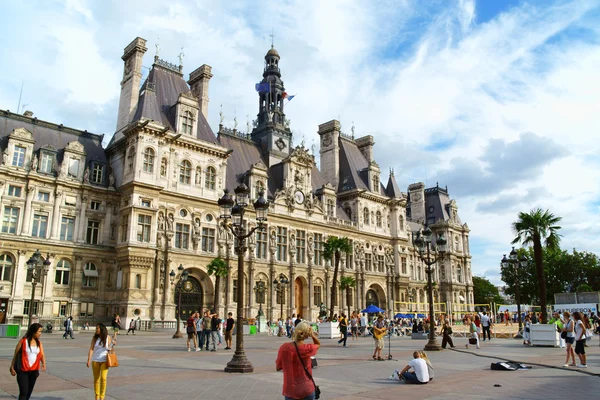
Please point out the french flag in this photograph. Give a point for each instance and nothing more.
(287, 96)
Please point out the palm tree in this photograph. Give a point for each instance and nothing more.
(217, 267)
(346, 283)
(332, 251)
(533, 228)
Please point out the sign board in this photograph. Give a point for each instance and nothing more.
(584, 308)
(512, 308)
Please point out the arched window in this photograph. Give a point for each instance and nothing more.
(63, 272)
(138, 281)
(130, 157)
(187, 123)
(210, 178)
(348, 212)
(149, 160)
(163, 167)
(378, 217)
(90, 275)
(330, 207)
(185, 172)
(198, 177)
(366, 216)
(6, 264)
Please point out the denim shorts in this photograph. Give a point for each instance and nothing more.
(569, 340)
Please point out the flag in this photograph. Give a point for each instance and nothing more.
(263, 87)
(284, 95)
(291, 97)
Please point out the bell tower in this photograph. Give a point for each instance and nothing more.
(271, 129)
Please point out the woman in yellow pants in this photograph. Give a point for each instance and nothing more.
(99, 347)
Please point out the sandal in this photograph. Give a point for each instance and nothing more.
(380, 359)
(374, 358)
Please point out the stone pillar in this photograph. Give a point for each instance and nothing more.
(80, 226)
(309, 307)
(250, 289)
(58, 200)
(25, 228)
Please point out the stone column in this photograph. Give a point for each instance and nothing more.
(58, 200)
(25, 228)
(80, 227)
(309, 306)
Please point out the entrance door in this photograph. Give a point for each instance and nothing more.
(3, 308)
(299, 293)
(372, 298)
(191, 298)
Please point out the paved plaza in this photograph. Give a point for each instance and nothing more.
(154, 366)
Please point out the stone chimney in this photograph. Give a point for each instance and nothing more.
(330, 152)
(130, 85)
(417, 201)
(365, 145)
(198, 82)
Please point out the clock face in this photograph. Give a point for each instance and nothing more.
(187, 286)
(299, 197)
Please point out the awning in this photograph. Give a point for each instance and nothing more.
(90, 272)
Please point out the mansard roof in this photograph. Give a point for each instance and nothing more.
(48, 134)
(392, 189)
(352, 162)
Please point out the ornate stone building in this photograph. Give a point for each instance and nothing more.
(116, 221)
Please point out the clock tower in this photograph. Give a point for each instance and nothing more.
(271, 130)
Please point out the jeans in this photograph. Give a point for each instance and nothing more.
(26, 381)
(287, 331)
(309, 397)
(100, 371)
(214, 337)
(411, 377)
(344, 338)
(206, 337)
(68, 332)
(486, 329)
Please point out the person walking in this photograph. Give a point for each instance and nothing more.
(354, 326)
(343, 327)
(527, 331)
(206, 322)
(229, 324)
(68, 328)
(199, 334)
(101, 344)
(25, 364)
(472, 331)
(486, 325)
(131, 327)
(447, 335)
(116, 324)
(569, 329)
(580, 339)
(294, 359)
(215, 324)
(190, 329)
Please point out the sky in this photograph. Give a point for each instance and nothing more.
(498, 100)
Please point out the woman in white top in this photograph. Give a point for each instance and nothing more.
(568, 327)
(580, 339)
(99, 347)
(28, 356)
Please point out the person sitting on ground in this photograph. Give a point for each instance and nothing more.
(420, 373)
(429, 366)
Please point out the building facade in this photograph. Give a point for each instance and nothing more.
(116, 221)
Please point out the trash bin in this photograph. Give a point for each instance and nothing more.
(10, 330)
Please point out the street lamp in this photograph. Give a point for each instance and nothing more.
(430, 253)
(259, 289)
(235, 210)
(38, 271)
(516, 263)
(280, 285)
(183, 277)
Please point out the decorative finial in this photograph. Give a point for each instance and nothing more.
(221, 116)
(247, 123)
(157, 45)
(312, 147)
(272, 38)
(302, 143)
(352, 129)
(234, 119)
(181, 55)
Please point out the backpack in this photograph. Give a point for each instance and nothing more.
(65, 323)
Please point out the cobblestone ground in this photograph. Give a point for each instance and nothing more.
(154, 366)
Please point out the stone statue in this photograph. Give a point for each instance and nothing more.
(389, 256)
(86, 175)
(111, 180)
(5, 156)
(170, 223)
(273, 239)
(298, 177)
(322, 311)
(197, 227)
(247, 123)
(235, 123)
(311, 245)
(34, 163)
(161, 221)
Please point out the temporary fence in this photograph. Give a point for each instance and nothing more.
(417, 310)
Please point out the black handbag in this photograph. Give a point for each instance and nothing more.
(563, 335)
(317, 390)
(19, 361)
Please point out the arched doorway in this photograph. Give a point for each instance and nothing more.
(298, 295)
(191, 298)
(372, 298)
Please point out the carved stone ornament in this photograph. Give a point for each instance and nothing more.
(280, 143)
(327, 140)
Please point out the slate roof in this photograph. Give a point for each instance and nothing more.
(439, 199)
(245, 155)
(55, 135)
(392, 188)
(352, 162)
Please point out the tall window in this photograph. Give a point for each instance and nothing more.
(63, 270)
(208, 239)
(378, 217)
(27, 304)
(98, 173)
(90, 275)
(67, 227)
(261, 244)
(318, 249)
(259, 298)
(210, 178)
(19, 156)
(163, 167)
(348, 211)
(259, 186)
(187, 123)
(40, 224)
(185, 172)
(282, 244)
(317, 295)
(149, 160)
(93, 232)
(235, 284)
(368, 261)
(14, 191)
(330, 207)
(376, 183)
(459, 274)
(366, 216)
(74, 167)
(130, 157)
(6, 264)
(124, 228)
(182, 236)
(10, 220)
(403, 265)
(380, 263)
(138, 281)
(46, 163)
(144, 224)
(300, 247)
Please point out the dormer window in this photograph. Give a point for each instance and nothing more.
(211, 176)
(74, 167)
(376, 183)
(330, 207)
(185, 172)
(187, 123)
(97, 173)
(46, 163)
(19, 156)
(149, 160)
(259, 186)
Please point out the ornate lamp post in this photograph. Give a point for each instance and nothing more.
(430, 253)
(235, 210)
(183, 276)
(259, 289)
(516, 263)
(280, 285)
(38, 271)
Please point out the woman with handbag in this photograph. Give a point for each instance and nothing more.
(447, 335)
(28, 356)
(98, 357)
(568, 334)
(294, 358)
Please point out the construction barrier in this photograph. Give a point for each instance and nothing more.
(416, 309)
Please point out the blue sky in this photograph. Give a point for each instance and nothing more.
(499, 100)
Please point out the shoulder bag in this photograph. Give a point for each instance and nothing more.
(111, 358)
(317, 390)
(19, 359)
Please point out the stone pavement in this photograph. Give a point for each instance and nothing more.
(154, 366)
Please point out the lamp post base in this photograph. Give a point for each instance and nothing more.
(240, 364)
(433, 345)
(177, 335)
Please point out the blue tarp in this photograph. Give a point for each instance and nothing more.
(372, 309)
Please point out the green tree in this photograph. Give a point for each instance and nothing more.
(218, 267)
(346, 283)
(533, 228)
(485, 292)
(333, 249)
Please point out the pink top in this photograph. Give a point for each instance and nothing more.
(296, 384)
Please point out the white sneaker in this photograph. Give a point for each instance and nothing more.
(582, 366)
(189, 349)
(197, 349)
